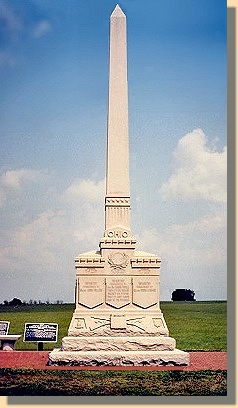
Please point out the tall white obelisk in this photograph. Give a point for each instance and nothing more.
(117, 318)
(118, 147)
(117, 175)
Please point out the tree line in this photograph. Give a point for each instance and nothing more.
(18, 302)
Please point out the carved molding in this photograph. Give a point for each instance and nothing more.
(89, 262)
(117, 201)
(145, 262)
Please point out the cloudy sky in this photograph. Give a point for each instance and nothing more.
(53, 114)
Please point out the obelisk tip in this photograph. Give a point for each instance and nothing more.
(117, 12)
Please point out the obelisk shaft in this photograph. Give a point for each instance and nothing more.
(117, 177)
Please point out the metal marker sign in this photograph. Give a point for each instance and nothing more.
(4, 326)
(42, 332)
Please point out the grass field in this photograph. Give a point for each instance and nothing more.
(39, 382)
(194, 325)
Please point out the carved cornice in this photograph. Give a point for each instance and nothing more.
(82, 262)
(145, 262)
(122, 243)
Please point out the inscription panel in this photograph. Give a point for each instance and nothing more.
(91, 291)
(145, 271)
(118, 291)
(145, 291)
(92, 270)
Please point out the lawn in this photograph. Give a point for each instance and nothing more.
(194, 325)
(197, 325)
(40, 382)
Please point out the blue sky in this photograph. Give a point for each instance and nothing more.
(53, 114)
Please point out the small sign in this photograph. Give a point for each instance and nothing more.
(4, 326)
(43, 332)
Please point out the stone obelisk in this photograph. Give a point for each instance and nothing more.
(118, 140)
(117, 318)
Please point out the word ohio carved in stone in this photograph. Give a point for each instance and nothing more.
(117, 234)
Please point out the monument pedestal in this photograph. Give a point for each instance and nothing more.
(117, 320)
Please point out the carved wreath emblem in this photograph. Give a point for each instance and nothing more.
(118, 260)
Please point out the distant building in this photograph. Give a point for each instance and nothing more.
(183, 295)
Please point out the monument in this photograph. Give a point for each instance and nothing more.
(117, 318)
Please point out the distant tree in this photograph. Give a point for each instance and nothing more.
(15, 302)
(183, 295)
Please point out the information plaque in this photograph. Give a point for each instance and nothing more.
(41, 332)
(4, 326)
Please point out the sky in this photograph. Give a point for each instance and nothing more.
(53, 115)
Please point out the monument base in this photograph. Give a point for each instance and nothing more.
(119, 358)
(118, 351)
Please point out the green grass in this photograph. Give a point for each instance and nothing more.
(194, 325)
(39, 382)
(197, 325)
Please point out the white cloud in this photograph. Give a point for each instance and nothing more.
(16, 26)
(86, 189)
(31, 240)
(11, 25)
(200, 241)
(200, 171)
(20, 184)
(42, 28)
(192, 255)
(86, 199)
(2, 197)
(14, 179)
(37, 259)
(38, 250)
(8, 18)
(38, 254)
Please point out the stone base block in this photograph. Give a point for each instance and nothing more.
(118, 358)
(128, 343)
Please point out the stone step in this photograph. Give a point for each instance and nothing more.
(118, 343)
